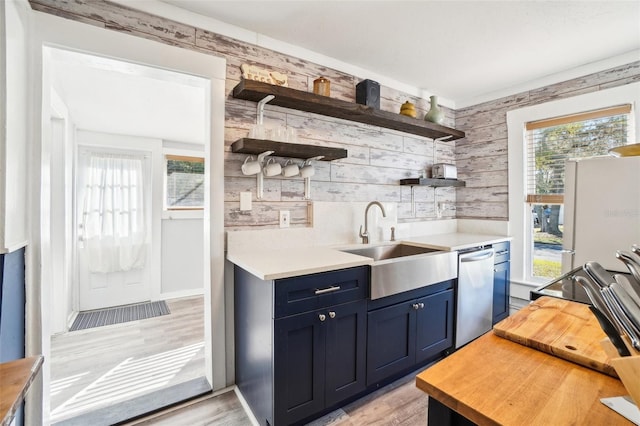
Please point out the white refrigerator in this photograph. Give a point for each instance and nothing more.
(601, 211)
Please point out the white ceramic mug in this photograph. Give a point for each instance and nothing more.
(250, 167)
(290, 169)
(307, 171)
(271, 168)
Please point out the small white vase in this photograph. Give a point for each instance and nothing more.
(435, 114)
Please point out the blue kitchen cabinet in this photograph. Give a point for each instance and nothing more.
(300, 342)
(501, 275)
(415, 329)
(434, 325)
(319, 360)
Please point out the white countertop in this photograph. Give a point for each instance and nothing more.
(284, 263)
(291, 262)
(455, 241)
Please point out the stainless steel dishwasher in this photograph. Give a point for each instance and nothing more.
(475, 294)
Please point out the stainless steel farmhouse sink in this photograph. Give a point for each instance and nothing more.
(390, 251)
(402, 267)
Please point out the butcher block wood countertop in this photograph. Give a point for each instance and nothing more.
(494, 381)
(15, 378)
(561, 328)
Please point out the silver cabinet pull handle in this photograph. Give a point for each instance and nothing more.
(416, 306)
(421, 305)
(327, 290)
(322, 317)
(332, 314)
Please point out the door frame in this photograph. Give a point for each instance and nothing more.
(49, 30)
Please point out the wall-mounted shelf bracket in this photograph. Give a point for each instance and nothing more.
(260, 108)
(435, 183)
(260, 176)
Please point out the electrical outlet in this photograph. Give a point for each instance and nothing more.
(285, 218)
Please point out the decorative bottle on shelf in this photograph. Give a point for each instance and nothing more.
(322, 86)
(435, 114)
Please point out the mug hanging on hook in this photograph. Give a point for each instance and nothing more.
(271, 168)
(251, 167)
(290, 169)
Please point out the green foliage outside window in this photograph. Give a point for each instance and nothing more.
(185, 184)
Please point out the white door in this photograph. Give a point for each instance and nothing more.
(113, 222)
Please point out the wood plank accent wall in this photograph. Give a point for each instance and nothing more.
(378, 158)
(482, 156)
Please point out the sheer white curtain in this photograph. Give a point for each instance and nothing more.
(113, 217)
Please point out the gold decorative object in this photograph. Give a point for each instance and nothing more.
(626, 150)
(252, 72)
(322, 86)
(408, 109)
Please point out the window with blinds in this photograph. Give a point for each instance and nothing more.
(184, 182)
(552, 141)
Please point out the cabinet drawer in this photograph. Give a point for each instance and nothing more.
(309, 292)
(502, 252)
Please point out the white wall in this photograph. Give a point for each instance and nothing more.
(182, 238)
(61, 175)
(182, 260)
(14, 86)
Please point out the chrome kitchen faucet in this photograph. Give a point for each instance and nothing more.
(365, 235)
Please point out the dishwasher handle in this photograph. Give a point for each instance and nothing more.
(483, 256)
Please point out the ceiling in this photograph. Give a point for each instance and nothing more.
(463, 51)
(112, 96)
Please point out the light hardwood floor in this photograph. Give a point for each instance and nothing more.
(399, 403)
(90, 369)
(102, 366)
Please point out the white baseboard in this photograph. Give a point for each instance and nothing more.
(245, 405)
(181, 293)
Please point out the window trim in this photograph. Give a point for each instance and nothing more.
(554, 122)
(179, 212)
(572, 118)
(516, 122)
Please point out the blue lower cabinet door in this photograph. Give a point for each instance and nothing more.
(391, 343)
(345, 351)
(434, 325)
(299, 361)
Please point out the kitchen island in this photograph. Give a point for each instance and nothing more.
(494, 381)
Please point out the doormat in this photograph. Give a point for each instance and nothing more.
(119, 314)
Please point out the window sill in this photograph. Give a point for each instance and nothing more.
(182, 214)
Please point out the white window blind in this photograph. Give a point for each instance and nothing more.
(552, 141)
(184, 183)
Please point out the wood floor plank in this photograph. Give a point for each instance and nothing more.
(98, 367)
(81, 358)
(399, 403)
(224, 409)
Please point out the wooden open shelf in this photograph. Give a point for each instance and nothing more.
(284, 149)
(432, 182)
(310, 102)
